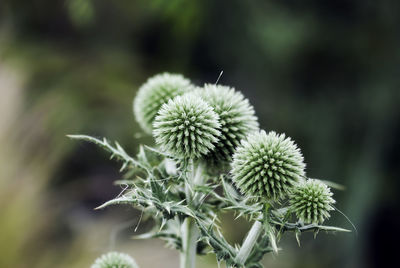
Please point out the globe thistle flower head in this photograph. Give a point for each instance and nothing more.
(267, 166)
(158, 90)
(186, 127)
(311, 200)
(114, 260)
(236, 116)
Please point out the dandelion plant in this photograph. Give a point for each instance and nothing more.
(179, 184)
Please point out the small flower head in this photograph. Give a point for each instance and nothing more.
(158, 90)
(186, 127)
(236, 116)
(114, 260)
(311, 200)
(267, 166)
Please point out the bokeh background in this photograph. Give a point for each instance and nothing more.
(327, 73)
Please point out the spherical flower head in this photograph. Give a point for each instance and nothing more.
(236, 116)
(114, 260)
(267, 166)
(186, 127)
(158, 90)
(311, 200)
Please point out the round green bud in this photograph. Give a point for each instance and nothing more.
(236, 116)
(311, 200)
(186, 127)
(158, 90)
(267, 166)
(114, 260)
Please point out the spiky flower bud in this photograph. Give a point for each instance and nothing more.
(236, 116)
(114, 260)
(267, 166)
(158, 90)
(186, 127)
(311, 200)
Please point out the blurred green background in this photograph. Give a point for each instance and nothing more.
(327, 73)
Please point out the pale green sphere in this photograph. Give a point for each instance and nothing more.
(157, 90)
(311, 200)
(186, 127)
(114, 260)
(267, 166)
(236, 116)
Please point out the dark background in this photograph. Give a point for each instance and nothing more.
(324, 72)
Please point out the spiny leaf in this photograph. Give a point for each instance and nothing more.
(334, 185)
(310, 227)
(117, 151)
(117, 201)
(156, 151)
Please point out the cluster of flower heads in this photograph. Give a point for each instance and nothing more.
(114, 260)
(236, 116)
(218, 124)
(191, 122)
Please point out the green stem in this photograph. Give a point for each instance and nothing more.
(249, 242)
(189, 229)
(189, 234)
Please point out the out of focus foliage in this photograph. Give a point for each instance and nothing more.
(324, 69)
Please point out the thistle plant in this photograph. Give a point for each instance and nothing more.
(114, 260)
(186, 127)
(236, 116)
(158, 90)
(312, 201)
(267, 166)
(173, 183)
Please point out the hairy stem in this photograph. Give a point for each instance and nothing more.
(249, 242)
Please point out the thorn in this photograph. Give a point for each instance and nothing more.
(220, 74)
(140, 219)
(347, 218)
